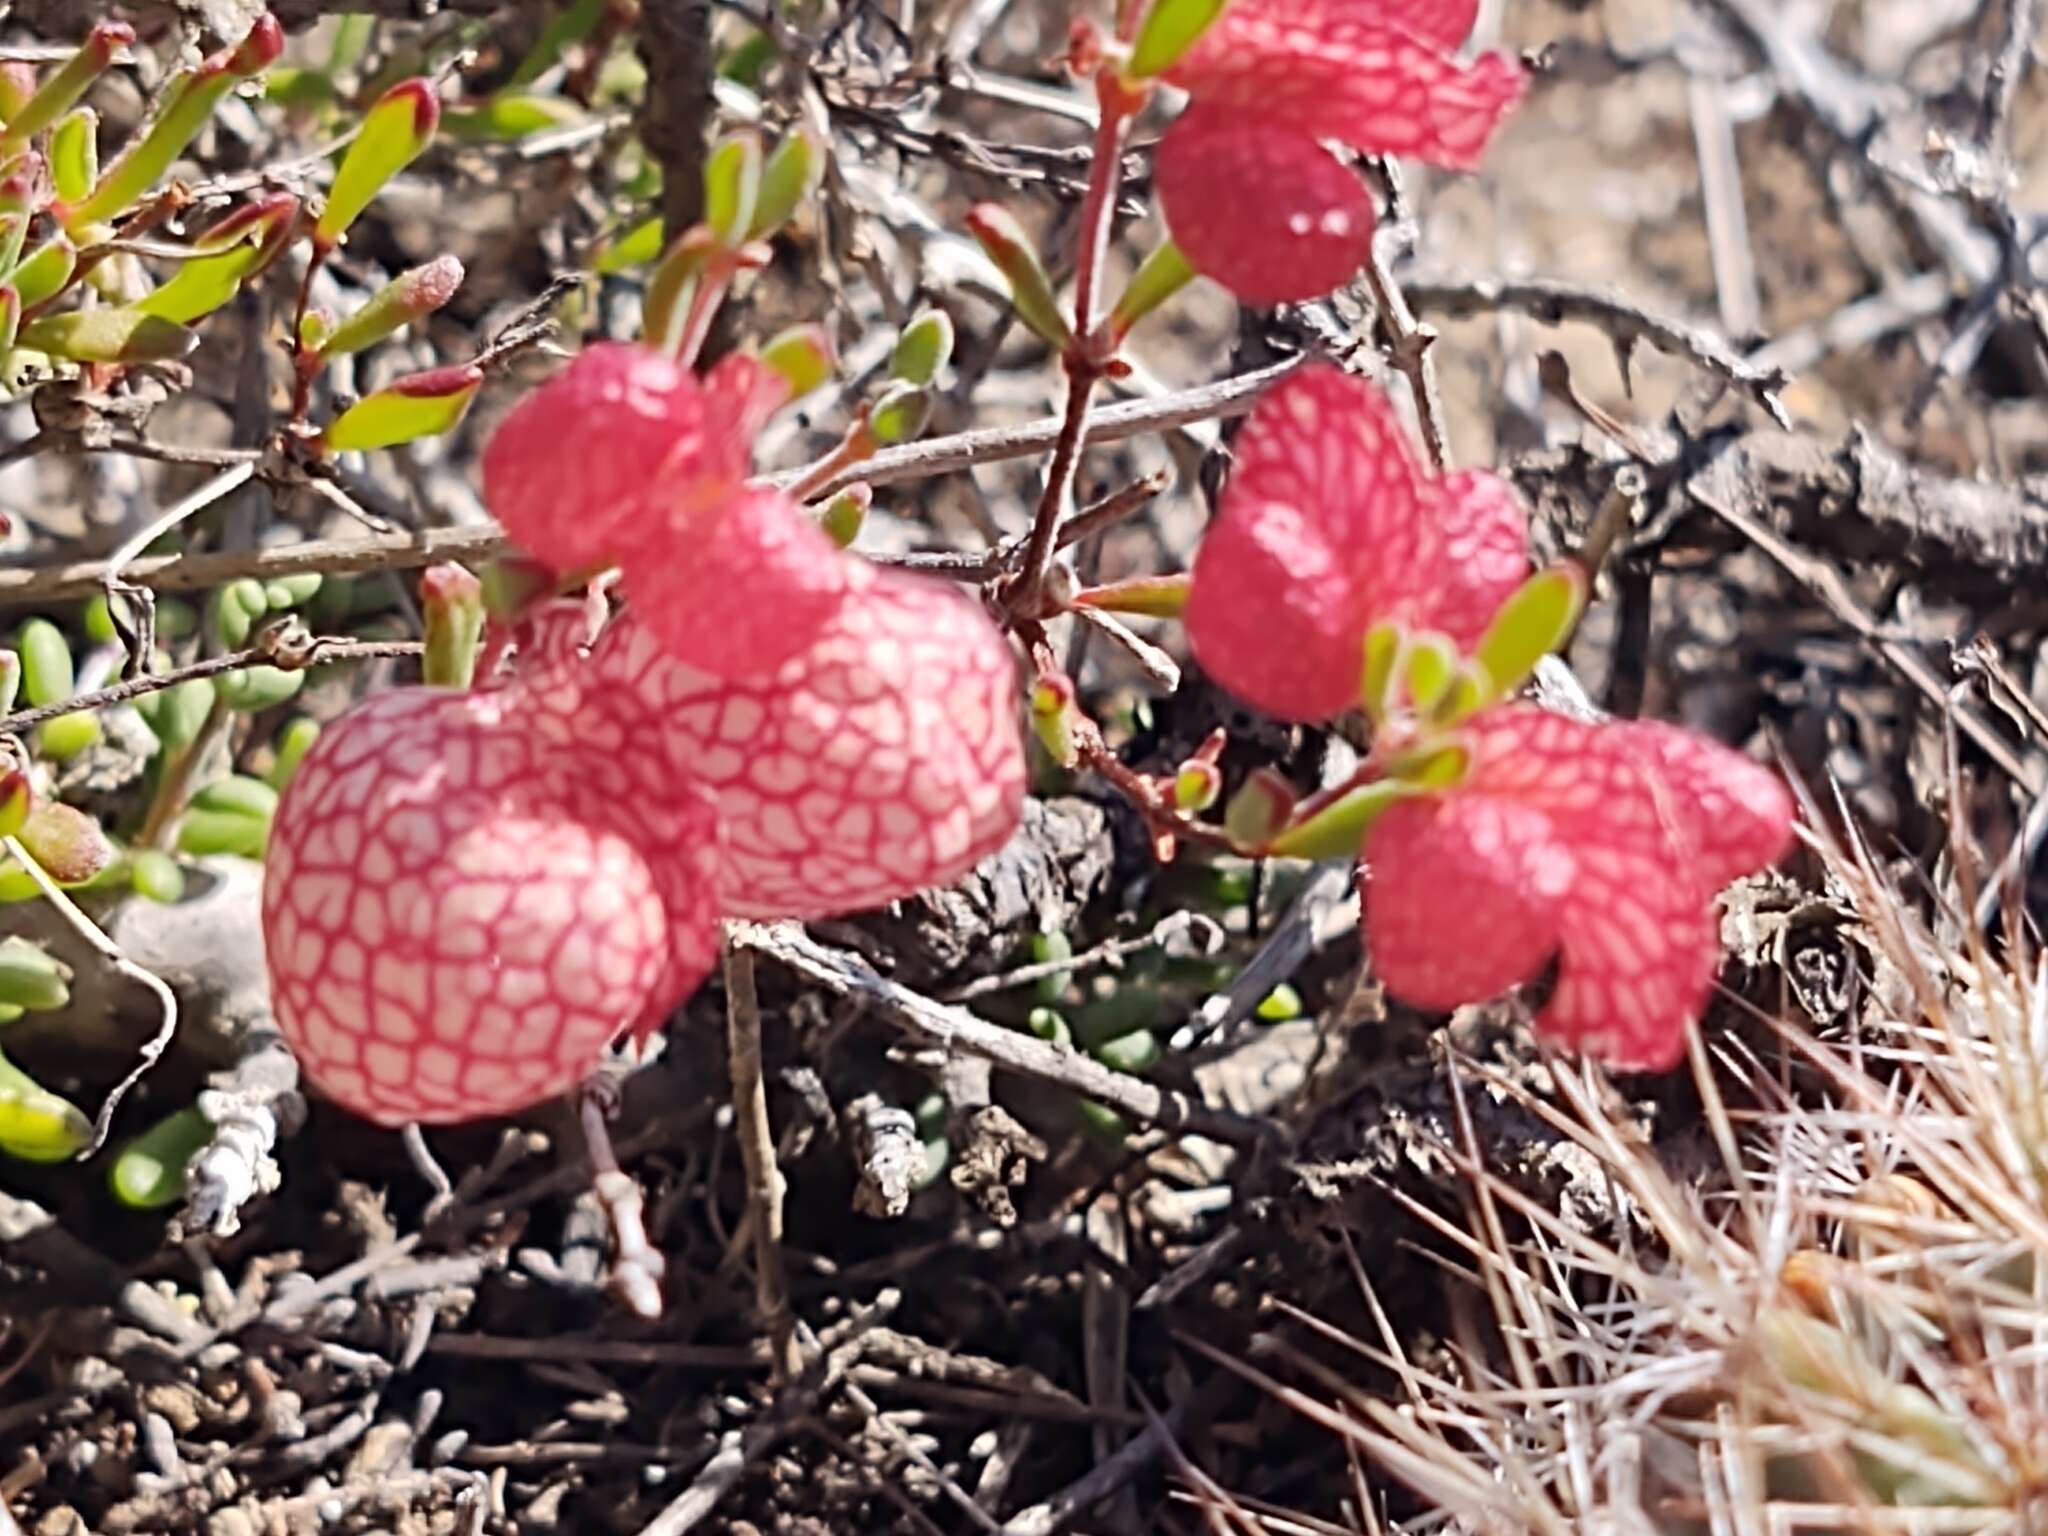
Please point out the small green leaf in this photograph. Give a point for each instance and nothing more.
(75, 154)
(1534, 621)
(30, 979)
(1136, 1053)
(1431, 764)
(803, 356)
(732, 187)
(1052, 946)
(1376, 676)
(900, 414)
(109, 336)
(672, 284)
(419, 405)
(412, 295)
(100, 48)
(1428, 664)
(1103, 1123)
(44, 271)
(1052, 718)
(293, 743)
(150, 1171)
(452, 604)
(1159, 277)
(925, 347)
(204, 833)
(1280, 1005)
(394, 133)
(1016, 257)
(186, 104)
(181, 712)
(845, 514)
(1049, 1025)
(635, 248)
(251, 690)
(65, 737)
(239, 795)
(45, 656)
(1153, 597)
(1339, 829)
(791, 175)
(236, 249)
(1259, 809)
(35, 1124)
(1170, 29)
(510, 116)
(1196, 787)
(156, 876)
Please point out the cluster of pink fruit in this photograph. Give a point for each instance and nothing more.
(471, 893)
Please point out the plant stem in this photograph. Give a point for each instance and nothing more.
(858, 444)
(1087, 360)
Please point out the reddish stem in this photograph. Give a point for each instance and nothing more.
(305, 364)
(703, 310)
(1088, 358)
(858, 444)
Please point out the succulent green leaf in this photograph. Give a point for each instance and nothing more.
(925, 347)
(419, 405)
(1159, 277)
(1170, 29)
(803, 356)
(673, 284)
(846, 513)
(186, 103)
(1051, 946)
(10, 679)
(1136, 1053)
(1280, 1005)
(1339, 829)
(1103, 1123)
(1016, 257)
(395, 132)
(293, 743)
(36, 1125)
(239, 795)
(1050, 1025)
(1431, 764)
(1153, 597)
(75, 154)
(45, 271)
(1196, 787)
(1376, 675)
(109, 336)
(150, 1171)
(412, 295)
(181, 712)
(251, 690)
(100, 48)
(791, 174)
(1428, 663)
(17, 799)
(452, 604)
(900, 414)
(1260, 808)
(732, 187)
(290, 591)
(156, 876)
(66, 736)
(510, 116)
(635, 248)
(1534, 621)
(204, 833)
(45, 654)
(30, 979)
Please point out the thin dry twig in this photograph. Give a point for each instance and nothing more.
(765, 1186)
